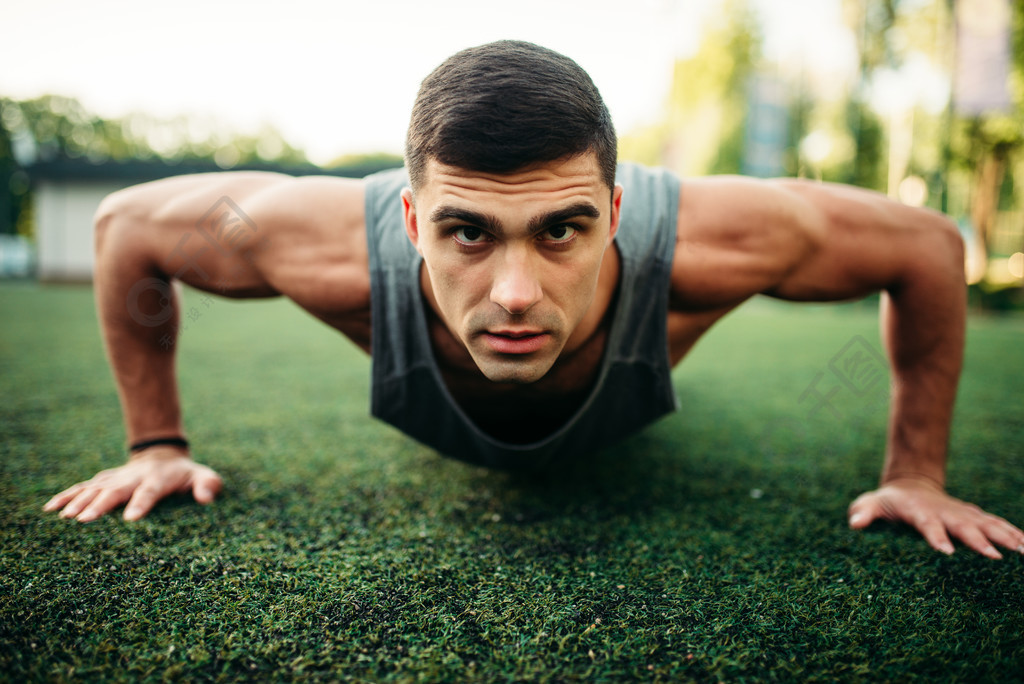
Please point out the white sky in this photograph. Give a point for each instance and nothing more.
(340, 77)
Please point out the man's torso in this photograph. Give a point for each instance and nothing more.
(619, 372)
(323, 265)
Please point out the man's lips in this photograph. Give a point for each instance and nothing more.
(515, 341)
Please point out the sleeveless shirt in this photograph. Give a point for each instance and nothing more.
(633, 386)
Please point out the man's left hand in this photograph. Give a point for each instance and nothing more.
(936, 515)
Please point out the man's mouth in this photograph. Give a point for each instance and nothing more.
(515, 341)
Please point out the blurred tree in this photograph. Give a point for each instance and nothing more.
(894, 122)
(365, 164)
(970, 158)
(988, 148)
(801, 113)
(53, 127)
(9, 209)
(14, 187)
(871, 22)
(702, 128)
(56, 127)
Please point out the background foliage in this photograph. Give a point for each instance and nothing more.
(969, 166)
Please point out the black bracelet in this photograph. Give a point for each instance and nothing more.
(170, 441)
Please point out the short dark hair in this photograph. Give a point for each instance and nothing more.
(500, 107)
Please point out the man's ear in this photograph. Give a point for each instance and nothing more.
(412, 228)
(616, 212)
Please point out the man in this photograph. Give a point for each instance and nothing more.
(538, 296)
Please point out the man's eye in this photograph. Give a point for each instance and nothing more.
(563, 232)
(469, 235)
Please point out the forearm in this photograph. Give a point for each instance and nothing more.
(923, 323)
(138, 315)
(924, 332)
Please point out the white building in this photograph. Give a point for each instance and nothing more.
(63, 212)
(65, 196)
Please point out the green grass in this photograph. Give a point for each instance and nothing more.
(711, 547)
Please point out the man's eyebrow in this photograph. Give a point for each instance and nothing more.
(473, 218)
(562, 215)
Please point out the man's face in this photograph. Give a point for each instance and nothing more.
(512, 260)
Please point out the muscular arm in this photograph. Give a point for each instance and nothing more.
(146, 237)
(819, 242)
(915, 257)
(233, 234)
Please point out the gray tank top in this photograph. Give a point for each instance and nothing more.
(633, 387)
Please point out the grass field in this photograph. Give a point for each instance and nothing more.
(711, 547)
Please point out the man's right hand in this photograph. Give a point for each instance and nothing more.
(148, 477)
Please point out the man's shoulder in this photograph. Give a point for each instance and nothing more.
(384, 219)
(385, 185)
(650, 207)
(649, 192)
(307, 200)
(313, 232)
(629, 173)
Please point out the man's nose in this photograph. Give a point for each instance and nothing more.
(516, 287)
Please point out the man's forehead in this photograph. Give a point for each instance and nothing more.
(580, 174)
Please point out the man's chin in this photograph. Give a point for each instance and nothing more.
(514, 371)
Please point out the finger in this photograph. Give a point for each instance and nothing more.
(59, 500)
(973, 537)
(142, 500)
(79, 502)
(206, 487)
(935, 534)
(862, 512)
(106, 501)
(1005, 534)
